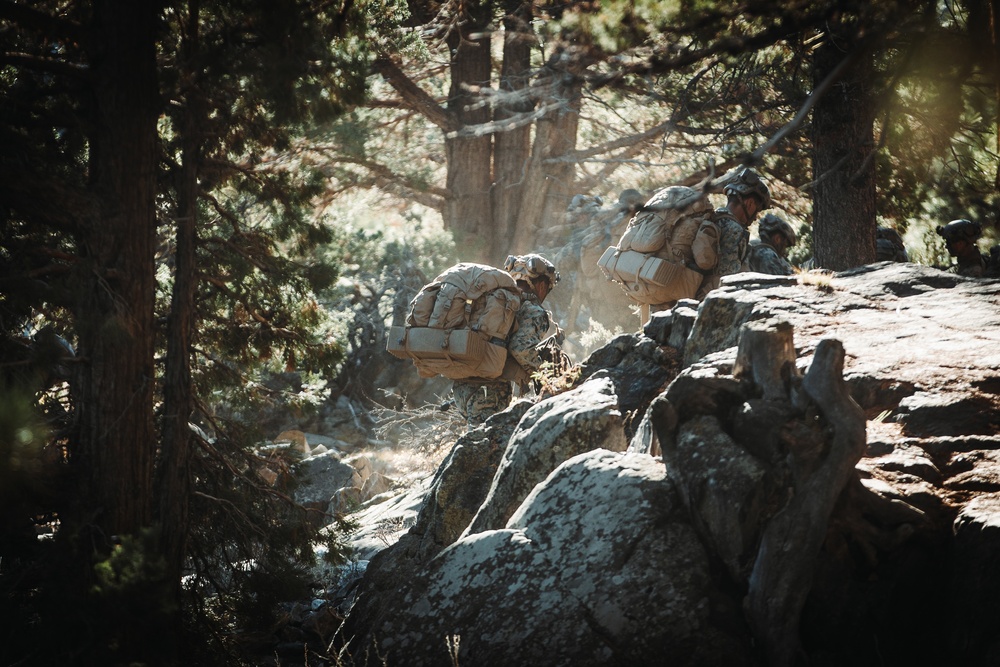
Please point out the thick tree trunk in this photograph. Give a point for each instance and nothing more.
(550, 183)
(114, 454)
(785, 566)
(468, 212)
(512, 147)
(844, 196)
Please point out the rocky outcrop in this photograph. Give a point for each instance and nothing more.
(597, 567)
(549, 433)
(818, 483)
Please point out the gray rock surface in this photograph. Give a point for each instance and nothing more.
(904, 571)
(597, 566)
(551, 432)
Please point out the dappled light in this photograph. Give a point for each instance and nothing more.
(252, 394)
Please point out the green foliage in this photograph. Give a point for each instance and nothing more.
(132, 574)
(240, 80)
(28, 478)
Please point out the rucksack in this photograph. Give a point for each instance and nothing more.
(654, 259)
(457, 325)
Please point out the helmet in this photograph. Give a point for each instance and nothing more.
(889, 245)
(961, 230)
(747, 183)
(530, 268)
(630, 199)
(772, 224)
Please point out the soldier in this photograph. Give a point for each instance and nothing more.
(889, 246)
(769, 253)
(477, 399)
(591, 289)
(960, 238)
(747, 196)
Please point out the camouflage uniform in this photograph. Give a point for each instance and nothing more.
(960, 239)
(764, 258)
(983, 269)
(479, 399)
(734, 241)
(889, 246)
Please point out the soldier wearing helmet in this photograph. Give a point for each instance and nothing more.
(479, 398)
(747, 195)
(889, 246)
(769, 253)
(960, 238)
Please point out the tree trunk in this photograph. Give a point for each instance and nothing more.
(178, 401)
(549, 182)
(985, 32)
(114, 454)
(467, 212)
(844, 195)
(512, 147)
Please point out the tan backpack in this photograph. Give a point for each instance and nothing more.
(458, 324)
(657, 258)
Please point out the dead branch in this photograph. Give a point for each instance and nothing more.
(783, 572)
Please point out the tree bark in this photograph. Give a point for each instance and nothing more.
(512, 147)
(985, 32)
(549, 181)
(178, 401)
(786, 559)
(114, 453)
(467, 211)
(844, 173)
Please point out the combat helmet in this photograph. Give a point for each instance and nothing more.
(889, 245)
(531, 268)
(772, 224)
(961, 230)
(747, 183)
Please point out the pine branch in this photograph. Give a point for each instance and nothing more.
(41, 22)
(414, 95)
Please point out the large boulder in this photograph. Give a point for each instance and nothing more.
(551, 432)
(597, 566)
(448, 505)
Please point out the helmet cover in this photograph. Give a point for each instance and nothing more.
(747, 183)
(961, 230)
(531, 267)
(772, 224)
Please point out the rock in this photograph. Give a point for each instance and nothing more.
(296, 440)
(639, 369)
(597, 566)
(975, 587)
(551, 432)
(320, 477)
(727, 490)
(758, 532)
(455, 494)
(375, 485)
(344, 501)
(383, 520)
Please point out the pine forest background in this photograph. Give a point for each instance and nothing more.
(197, 197)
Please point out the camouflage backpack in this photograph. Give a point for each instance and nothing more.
(657, 258)
(458, 324)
